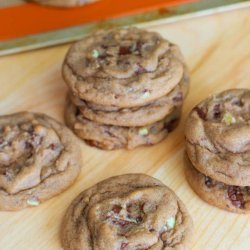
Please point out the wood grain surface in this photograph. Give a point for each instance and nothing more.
(217, 50)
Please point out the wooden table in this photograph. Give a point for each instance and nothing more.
(217, 50)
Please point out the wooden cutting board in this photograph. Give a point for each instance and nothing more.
(217, 50)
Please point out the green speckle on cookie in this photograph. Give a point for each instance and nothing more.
(95, 53)
(228, 118)
(133, 47)
(170, 223)
(33, 202)
(146, 94)
(143, 131)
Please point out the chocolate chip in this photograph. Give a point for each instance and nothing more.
(124, 245)
(170, 125)
(1, 140)
(217, 111)
(208, 182)
(139, 219)
(236, 197)
(78, 112)
(151, 230)
(201, 113)
(52, 146)
(104, 46)
(28, 145)
(102, 56)
(178, 97)
(124, 51)
(121, 223)
(116, 209)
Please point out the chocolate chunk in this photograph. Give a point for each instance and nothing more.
(217, 111)
(170, 125)
(236, 197)
(124, 51)
(139, 219)
(121, 223)
(178, 97)
(116, 209)
(208, 182)
(123, 245)
(201, 113)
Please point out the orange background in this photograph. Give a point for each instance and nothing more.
(26, 19)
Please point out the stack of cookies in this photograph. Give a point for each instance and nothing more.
(126, 88)
(218, 150)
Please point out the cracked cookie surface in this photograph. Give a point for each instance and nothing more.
(137, 116)
(39, 158)
(115, 137)
(123, 67)
(218, 137)
(228, 197)
(127, 212)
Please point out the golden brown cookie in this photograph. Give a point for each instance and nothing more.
(218, 137)
(39, 158)
(127, 212)
(123, 67)
(136, 116)
(115, 137)
(231, 198)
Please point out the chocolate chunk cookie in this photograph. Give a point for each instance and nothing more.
(39, 158)
(228, 197)
(137, 116)
(127, 212)
(63, 3)
(115, 137)
(123, 67)
(218, 137)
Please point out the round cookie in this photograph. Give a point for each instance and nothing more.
(138, 116)
(39, 158)
(183, 85)
(228, 197)
(115, 137)
(218, 137)
(63, 3)
(123, 67)
(126, 212)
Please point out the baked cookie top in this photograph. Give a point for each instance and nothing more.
(132, 211)
(39, 158)
(123, 67)
(137, 116)
(218, 137)
(112, 137)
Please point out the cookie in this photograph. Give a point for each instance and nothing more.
(64, 3)
(218, 137)
(39, 158)
(123, 67)
(228, 197)
(126, 212)
(115, 137)
(137, 116)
